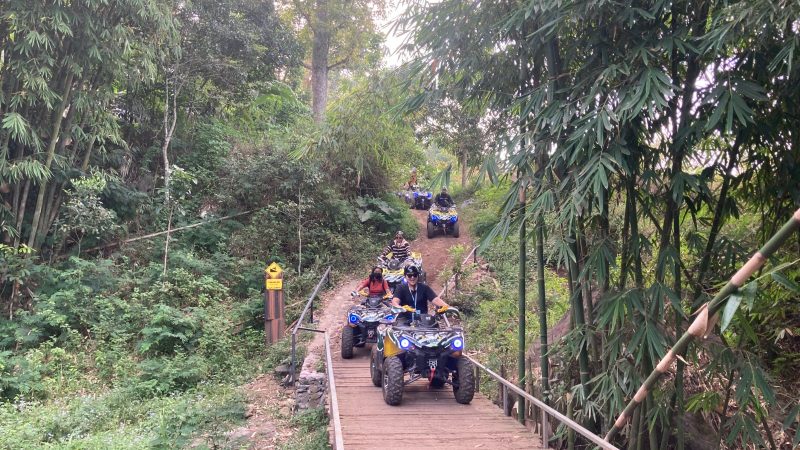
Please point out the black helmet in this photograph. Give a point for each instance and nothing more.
(411, 270)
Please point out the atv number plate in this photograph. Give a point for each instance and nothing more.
(370, 333)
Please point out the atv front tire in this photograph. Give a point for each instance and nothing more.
(348, 337)
(464, 387)
(431, 230)
(374, 367)
(392, 381)
(455, 230)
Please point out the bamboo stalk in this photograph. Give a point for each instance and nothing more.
(706, 318)
(523, 260)
(540, 284)
(51, 149)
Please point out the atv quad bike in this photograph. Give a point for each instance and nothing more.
(417, 198)
(393, 268)
(362, 322)
(444, 219)
(424, 349)
(422, 199)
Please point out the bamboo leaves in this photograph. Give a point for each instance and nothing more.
(17, 127)
(747, 293)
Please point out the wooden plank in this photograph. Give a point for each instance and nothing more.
(369, 423)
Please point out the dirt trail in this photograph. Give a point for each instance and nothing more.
(435, 254)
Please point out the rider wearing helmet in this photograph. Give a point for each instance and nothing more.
(375, 283)
(414, 296)
(412, 180)
(443, 199)
(399, 247)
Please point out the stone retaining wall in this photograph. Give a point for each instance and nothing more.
(311, 391)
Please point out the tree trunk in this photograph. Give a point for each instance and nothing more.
(319, 61)
(166, 243)
(170, 120)
(677, 413)
(88, 156)
(51, 149)
(20, 208)
(523, 259)
(577, 311)
(463, 170)
(716, 225)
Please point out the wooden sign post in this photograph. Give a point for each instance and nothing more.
(274, 320)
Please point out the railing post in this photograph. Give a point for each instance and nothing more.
(311, 311)
(477, 379)
(294, 357)
(545, 437)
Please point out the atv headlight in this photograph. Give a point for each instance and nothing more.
(429, 195)
(389, 317)
(405, 343)
(353, 319)
(458, 344)
(416, 194)
(435, 218)
(453, 219)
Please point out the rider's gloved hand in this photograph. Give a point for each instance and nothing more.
(443, 309)
(409, 308)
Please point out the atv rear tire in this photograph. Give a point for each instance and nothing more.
(431, 230)
(464, 389)
(374, 368)
(392, 381)
(455, 230)
(348, 337)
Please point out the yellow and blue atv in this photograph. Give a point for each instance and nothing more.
(363, 320)
(393, 268)
(444, 219)
(426, 348)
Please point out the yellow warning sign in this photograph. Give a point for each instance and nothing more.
(275, 284)
(273, 270)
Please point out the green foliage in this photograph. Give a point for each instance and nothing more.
(387, 215)
(311, 431)
(84, 213)
(363, 142)
(120, 419)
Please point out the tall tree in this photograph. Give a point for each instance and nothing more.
(340, 34)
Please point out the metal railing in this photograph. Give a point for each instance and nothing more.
(544, 408)
(338, 442)
(309, 307)
(333, 412)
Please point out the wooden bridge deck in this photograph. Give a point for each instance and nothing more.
(369, 423)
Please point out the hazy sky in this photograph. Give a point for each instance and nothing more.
(393, 10)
